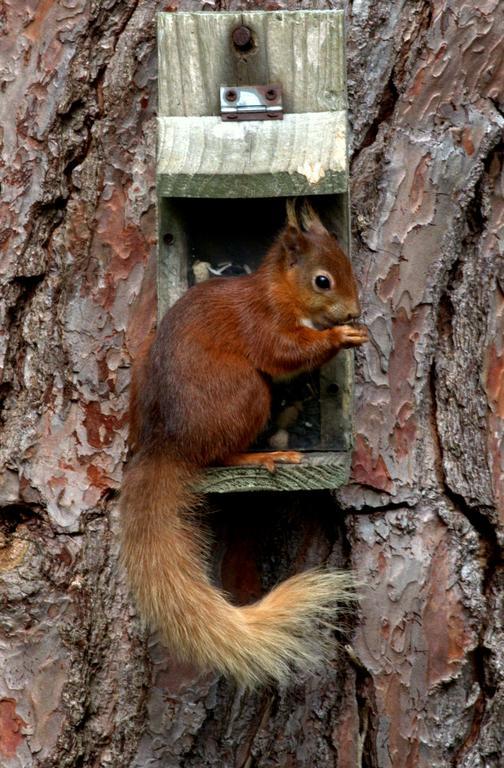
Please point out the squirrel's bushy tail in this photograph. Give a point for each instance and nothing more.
(165, 557)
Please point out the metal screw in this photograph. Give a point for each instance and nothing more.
(231, 95)
(271, 94)
(168, 238)
(242, 37)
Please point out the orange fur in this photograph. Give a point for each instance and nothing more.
(200, 395)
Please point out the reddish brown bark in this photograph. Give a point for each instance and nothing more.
(422, 683)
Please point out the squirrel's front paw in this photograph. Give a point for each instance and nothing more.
(350, 335)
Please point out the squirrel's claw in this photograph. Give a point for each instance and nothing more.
(351, 335)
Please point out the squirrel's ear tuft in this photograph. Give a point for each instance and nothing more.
(293, 244)
(303, 217)
(290, 209)
(310, 220)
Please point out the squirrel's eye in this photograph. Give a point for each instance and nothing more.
(322, 282)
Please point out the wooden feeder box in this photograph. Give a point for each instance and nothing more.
(252, 110)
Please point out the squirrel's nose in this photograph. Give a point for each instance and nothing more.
(353, 312)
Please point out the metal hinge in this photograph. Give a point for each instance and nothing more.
(251, 102)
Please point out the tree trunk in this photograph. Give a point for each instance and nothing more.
(418, 678)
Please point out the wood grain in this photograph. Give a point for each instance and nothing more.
(303, 154)
(316, 471)
(304, 52)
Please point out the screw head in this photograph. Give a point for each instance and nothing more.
(168, 238)
(230, 95)
(271, 94)
(242, 37)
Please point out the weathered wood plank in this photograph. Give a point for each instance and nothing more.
(172, 268)
(336, 399)
(304, 51)
(205, 157)
(337, 376)
(316, 471)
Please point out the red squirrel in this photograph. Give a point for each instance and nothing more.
(200, 396)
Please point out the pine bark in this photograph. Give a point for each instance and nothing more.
(418, 678)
